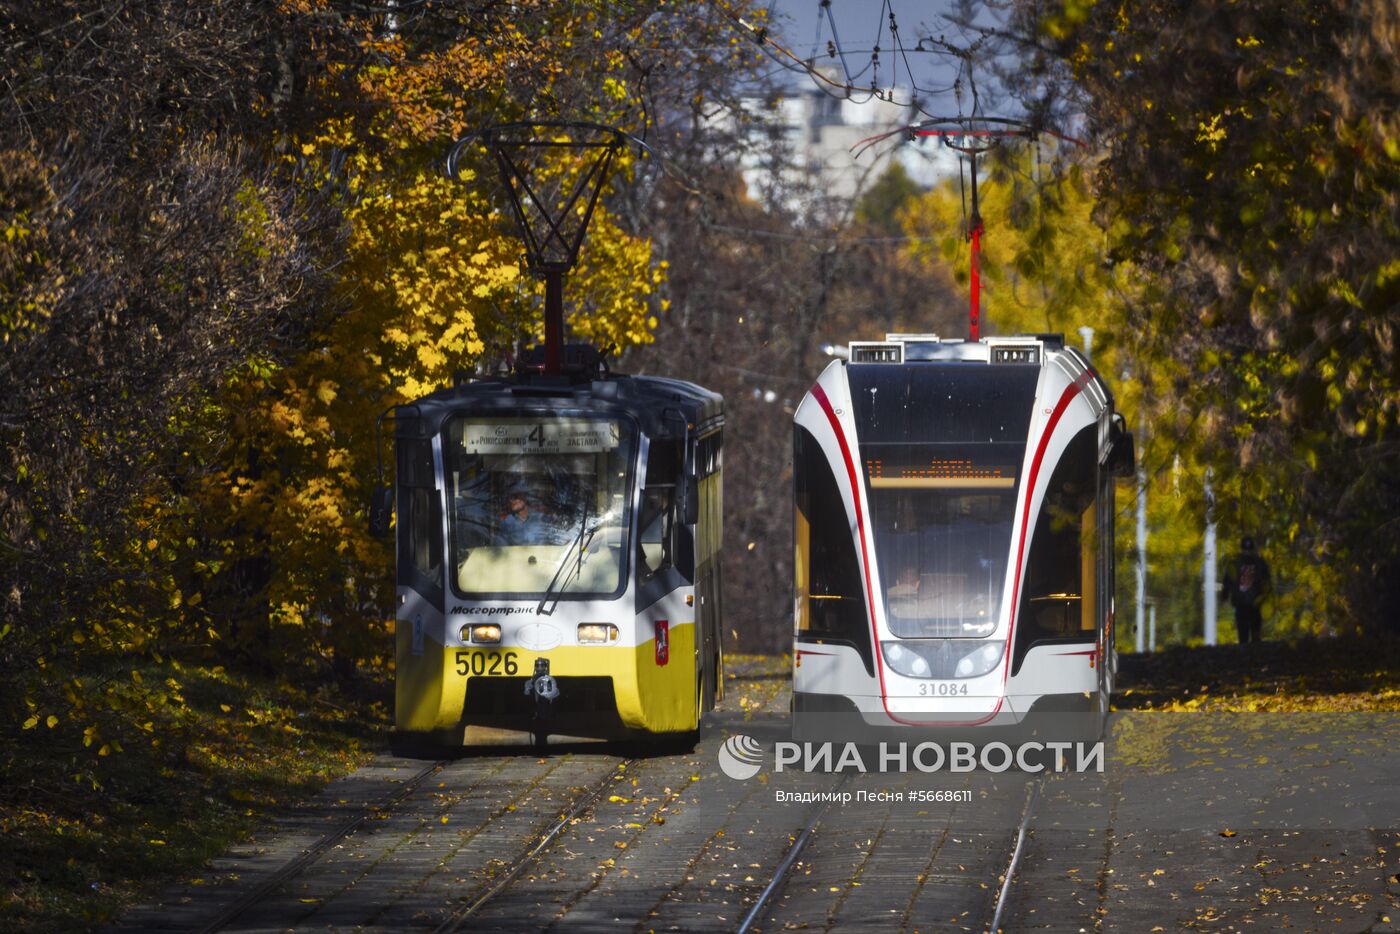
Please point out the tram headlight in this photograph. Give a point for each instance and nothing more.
(942, 658)
(596, 633)
(980, 661)
(483, 634)
(908, 661)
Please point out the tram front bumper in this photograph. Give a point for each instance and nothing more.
(602, 691)
(1010, 719)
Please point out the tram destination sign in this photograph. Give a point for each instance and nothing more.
(540, 436)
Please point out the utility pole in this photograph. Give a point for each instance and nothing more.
(974, 234)
(1208, 585)
(1141, 550)
(972, 137)
(1141, 599)
(552, 213)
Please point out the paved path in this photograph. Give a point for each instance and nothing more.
(1209, 824)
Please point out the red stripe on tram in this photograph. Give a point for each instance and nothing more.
(1074, 389)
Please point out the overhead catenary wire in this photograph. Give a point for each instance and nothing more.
(807, 236)
(849, 84)
(849, 87)
(790, 60)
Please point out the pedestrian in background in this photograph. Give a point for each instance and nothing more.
(1247, 584)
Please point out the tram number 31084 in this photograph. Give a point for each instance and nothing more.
(487, 663)
(941, 689)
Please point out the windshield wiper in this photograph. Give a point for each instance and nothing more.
(580, 544)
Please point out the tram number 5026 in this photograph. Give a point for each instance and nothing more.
(941, 689)
(487, 663)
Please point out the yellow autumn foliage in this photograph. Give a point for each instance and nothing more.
(433, 278)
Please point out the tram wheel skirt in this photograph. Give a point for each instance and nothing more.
(834, 718)
(586, 708)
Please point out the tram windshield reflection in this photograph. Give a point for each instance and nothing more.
(526, 495)
(942, 516)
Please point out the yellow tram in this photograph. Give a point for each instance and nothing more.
(558, 556)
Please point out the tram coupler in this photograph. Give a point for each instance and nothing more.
(544, 688)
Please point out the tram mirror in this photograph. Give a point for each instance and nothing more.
(381, 511)
(1122, 457)
(690, 501)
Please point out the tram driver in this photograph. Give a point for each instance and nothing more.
(521, 524)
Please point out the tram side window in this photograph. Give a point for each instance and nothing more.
(709, 455)
(420, 516)
(656, 543)
(828, 577)
(1059, 597)
(423, 522)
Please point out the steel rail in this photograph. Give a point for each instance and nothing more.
(780, 874)
(1002, 896)
(580, 804)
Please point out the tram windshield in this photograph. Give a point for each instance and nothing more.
(942, 516)
(538, 505)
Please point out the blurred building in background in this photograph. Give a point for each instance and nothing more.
(805, 149)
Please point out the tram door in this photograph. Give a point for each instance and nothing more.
(679, 541)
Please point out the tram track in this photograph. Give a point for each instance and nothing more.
(777, 883)
(308, 856)
(398, 857)
(464, 839)
(1004, 893)
(646, 921)
(473, 903)
(509, 841)
(526, 829)
(789, 859)
(653, 817)
(284, 878)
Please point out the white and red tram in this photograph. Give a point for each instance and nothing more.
(953, 537)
